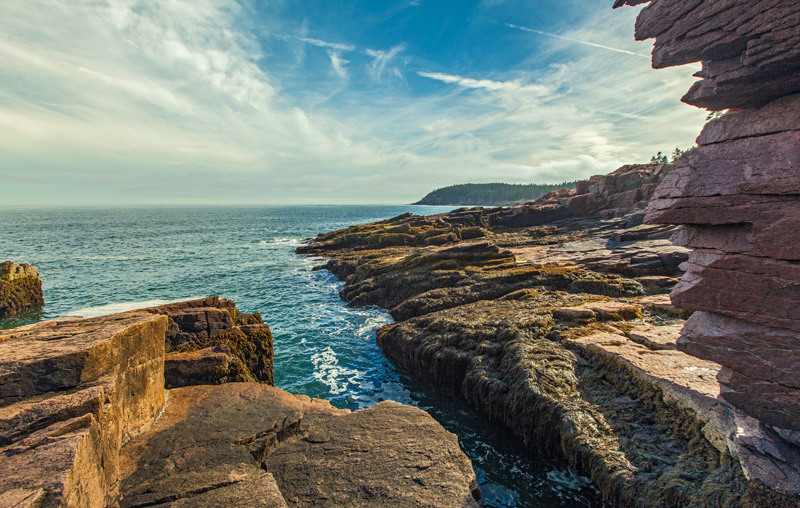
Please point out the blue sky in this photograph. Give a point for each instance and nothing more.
(271, 102)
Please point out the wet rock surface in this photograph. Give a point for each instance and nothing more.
(559, 325)
(20, 288)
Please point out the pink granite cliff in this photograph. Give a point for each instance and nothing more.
(737, 196)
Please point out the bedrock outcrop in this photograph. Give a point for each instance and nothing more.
(262, 447)
(86, 422)
(20, 288)
(71, 393)
(564, 331)
(209, 341)
(737, 195)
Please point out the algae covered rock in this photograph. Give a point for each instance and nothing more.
(20, 288)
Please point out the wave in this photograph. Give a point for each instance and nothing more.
(116, 307)
(294, 242)
(568, 480)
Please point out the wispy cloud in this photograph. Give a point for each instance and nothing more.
(570, 39)
(338, 63)
(516, 86)
(151, 101)
(325, 44)
(382, 61)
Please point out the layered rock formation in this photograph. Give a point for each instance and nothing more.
(83, 424)
(20, 288)
(71, 393)
(738, 195)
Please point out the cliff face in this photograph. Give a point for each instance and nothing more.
(738, 197)
(20, 288)
(71, 393)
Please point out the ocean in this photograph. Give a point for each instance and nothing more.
(96, 261)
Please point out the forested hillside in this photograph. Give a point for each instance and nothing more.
(490, 194)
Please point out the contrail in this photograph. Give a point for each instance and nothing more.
(526, 29)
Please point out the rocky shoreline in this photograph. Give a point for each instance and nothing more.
(86, 421)
(554, 319)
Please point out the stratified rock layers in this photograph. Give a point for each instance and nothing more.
(738, 196)
(20, 288)
(71, 392)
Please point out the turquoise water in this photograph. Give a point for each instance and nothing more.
(96, 261)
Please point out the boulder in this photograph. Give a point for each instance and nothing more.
(417, 463)
(207, 323)
(248, 444)
(20, 288)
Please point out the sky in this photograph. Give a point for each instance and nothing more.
(131, 102)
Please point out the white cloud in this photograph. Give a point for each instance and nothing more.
(150, 101)
(515, 87)
(324, 44)
(338, 63)
(121, 90)
(382, 62)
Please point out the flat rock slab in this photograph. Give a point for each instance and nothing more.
(662, 303)
(600, 311)
(62, 354)
(210, 446)
(210, 439)
(655, 337)
(387, 455)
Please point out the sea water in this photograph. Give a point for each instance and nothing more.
(96, 261)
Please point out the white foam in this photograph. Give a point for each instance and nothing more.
(114, 308)
(568, 479)
(295, 242)
(328, 372)
(372, 323)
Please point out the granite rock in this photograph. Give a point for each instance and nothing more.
(738, 197)
(71, 392)
(417, 464)
(207, 323)
(261, 446)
